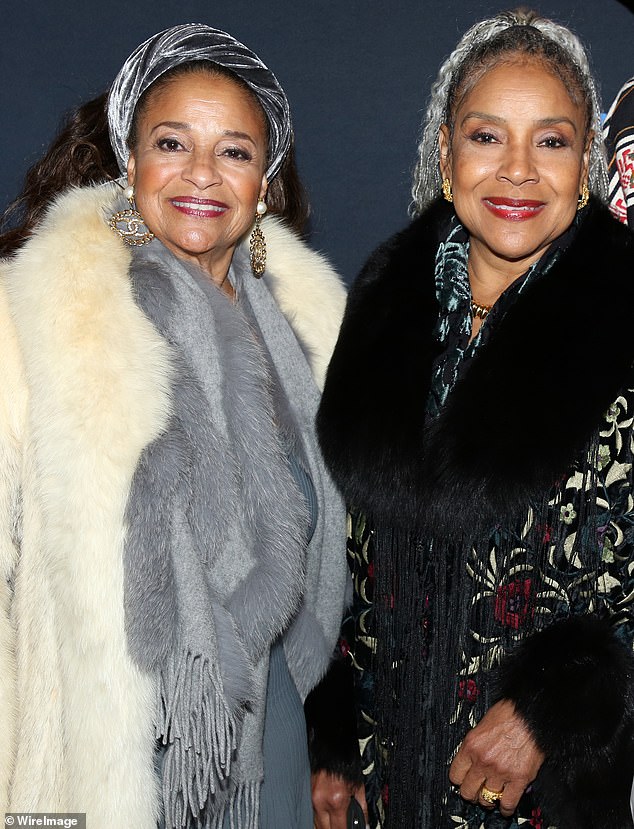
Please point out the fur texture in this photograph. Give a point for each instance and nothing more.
(581, 712)
(307, 293)
(381, 454)
(331, 724)
(529, 402)
(96, 377)
(13, 402)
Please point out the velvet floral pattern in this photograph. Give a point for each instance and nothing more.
(588, 569)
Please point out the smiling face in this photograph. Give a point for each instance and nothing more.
(517, 161)
(197, 166)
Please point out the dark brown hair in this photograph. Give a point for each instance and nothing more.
(79, 155)
(286, 196)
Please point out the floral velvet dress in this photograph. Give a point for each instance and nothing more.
(571, 554)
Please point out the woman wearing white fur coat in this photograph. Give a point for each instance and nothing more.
(167, 524)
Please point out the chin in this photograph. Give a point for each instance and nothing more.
(196, 247)
(523, 249)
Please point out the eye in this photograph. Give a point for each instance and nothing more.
(237, 153)
(170, 145)
(553, 142)
(483, 137)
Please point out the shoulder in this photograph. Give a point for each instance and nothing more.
(410, 246)
(73, 238)
(400, 271)
(71, 301)
(72, 261)
(76, 210)
(295, 271)
(602, 237)
(394, 297)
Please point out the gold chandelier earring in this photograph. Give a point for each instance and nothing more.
(257, 242)
(446, 190)
(584, 198)
(129, 224)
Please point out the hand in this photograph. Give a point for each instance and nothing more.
(331, 798)
(500, 753)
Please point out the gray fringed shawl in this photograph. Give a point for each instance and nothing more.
(215, 554)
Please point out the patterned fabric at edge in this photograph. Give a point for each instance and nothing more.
(619, 140)
(491, 543)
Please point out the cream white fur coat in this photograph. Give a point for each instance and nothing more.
(84, 388)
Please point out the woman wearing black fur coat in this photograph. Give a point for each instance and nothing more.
(479, 417)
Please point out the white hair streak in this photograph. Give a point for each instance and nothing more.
(427, 182)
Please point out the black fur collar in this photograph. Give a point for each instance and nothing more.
(530, 400)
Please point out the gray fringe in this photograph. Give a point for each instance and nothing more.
(243, 808)
(201, 735)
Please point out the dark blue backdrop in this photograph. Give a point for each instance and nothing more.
(357, 73)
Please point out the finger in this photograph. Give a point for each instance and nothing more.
(331, 797)
(512, 795)
(333, 811)
(359, 793)
(491, 784)
(471, 785)
(331, 816)
(459, 767)
(321, 820)
(339, 818)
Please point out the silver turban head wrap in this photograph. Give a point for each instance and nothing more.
(183, 44)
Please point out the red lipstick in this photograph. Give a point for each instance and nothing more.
(513, 210)
(205, 208)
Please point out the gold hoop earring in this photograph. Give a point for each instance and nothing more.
(129, 224)
(446, 190)
(584, 198)
(257, 242)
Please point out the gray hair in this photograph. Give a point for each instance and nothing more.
(197, 42)
(427, 179)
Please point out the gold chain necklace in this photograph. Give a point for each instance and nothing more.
(480, 311)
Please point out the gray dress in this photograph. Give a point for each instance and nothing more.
(285, 798)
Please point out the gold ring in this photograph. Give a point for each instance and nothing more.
(490, 796)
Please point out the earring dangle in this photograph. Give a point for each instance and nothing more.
(129, 224)
(584, 197)
(257, 242)
(446, 190)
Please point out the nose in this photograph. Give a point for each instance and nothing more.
(517, 165)
(202, 170)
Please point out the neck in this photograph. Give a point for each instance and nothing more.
(487, 283)
(487, 286)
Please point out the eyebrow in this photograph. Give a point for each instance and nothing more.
(542, 122)
(183, 125)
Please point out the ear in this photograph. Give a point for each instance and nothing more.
(131, 168)
(444, 146)
(264, 186)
